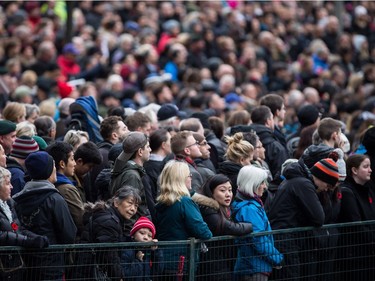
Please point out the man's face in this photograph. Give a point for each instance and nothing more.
(204, 148)
(3, 158)
(7, 142)
(81, 169)
(146, 151)
(193, 148)
(146, 129)
(121, 131)
(68, 168)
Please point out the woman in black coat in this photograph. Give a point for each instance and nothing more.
(217, 263)
(12, 234)
(104, 223)
(239, 153)
(358, 194)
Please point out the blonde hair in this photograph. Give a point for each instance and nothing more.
(25, 128)
(172, 182)
(73, 137)
(250, 178)
(14, 110)
(238, 148)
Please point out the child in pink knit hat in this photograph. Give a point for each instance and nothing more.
(142, 263)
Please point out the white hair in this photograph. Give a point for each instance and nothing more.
(250, 178)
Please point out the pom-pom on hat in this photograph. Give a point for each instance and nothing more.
(39, 165)
(326, 170)
(23, 146)
(143, 222)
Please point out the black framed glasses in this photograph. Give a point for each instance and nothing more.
(203, 143)
(196, 143)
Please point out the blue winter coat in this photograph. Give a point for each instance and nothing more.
(257, 254)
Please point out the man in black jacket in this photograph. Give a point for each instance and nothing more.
(43, 210)
(296, 204)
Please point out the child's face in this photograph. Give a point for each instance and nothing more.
(143, 235)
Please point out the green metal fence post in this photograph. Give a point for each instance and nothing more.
(192, 260)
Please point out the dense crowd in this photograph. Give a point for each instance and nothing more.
(161, 121)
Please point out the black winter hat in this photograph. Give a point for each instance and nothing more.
(39, 165)
(308, 115)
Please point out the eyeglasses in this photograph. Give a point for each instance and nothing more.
(196, 143)
(261, 146)
(190, 175)
(203, 143)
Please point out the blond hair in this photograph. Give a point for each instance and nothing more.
(25, 128)
(238, 148)
(172, 182)
(13, 111)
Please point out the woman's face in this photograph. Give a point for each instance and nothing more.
(33, 117)
(223, 194)
(5, 190)
(127, 207)
(362, 174)
(261, 189)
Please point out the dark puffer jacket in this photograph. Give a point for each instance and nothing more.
(107, 226)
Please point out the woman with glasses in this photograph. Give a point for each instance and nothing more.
(177, 217)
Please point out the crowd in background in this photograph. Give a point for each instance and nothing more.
(178, 119)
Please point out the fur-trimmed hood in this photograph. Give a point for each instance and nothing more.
(205, 201)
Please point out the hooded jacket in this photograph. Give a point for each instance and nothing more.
(43, 210)
(130, 173)
(315, 153)
(296, 202)
(276, 153)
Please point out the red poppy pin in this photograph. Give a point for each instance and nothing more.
(370, 200)
(339, 195)
(14, 226)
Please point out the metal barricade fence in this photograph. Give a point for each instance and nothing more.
(344, 252)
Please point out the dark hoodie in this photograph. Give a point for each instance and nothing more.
(44, 211)
(276, 153)
(296, 203)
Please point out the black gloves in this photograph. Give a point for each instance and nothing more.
(37, 242)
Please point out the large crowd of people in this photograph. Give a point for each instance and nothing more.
(162, 121)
